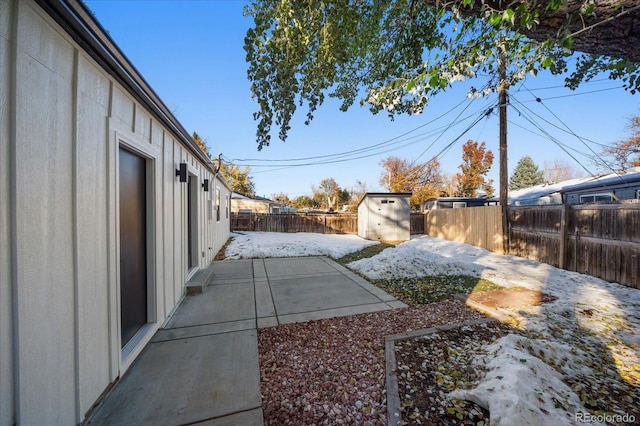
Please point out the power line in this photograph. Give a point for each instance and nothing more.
(339, 158)
(595, 157)
(562, 86)
(569, 129)
(340, 154)
(580, 94)
(551, 138)
(555, 141)
(443, 132)
(408, 138)
(445, 150)
(555, 125)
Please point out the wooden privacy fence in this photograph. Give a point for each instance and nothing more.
(296, 222)
(602, 240)
(478, 226)
(308, 222)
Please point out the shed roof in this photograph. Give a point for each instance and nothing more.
(384, 194)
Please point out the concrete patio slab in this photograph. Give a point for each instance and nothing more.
(315, 293)
(232, 270)
(299, 266)
(217, 303)
(203, 330)
(187, 380)
(203, 367)
(264, 299)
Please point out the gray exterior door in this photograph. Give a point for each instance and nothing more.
(133, 244)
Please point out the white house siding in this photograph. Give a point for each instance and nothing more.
(6, 313)
(63, 119)
(45, 271)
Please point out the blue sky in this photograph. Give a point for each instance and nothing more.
(191, 53)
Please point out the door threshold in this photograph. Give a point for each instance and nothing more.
(132, 349)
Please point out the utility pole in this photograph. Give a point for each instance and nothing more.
(502, 100)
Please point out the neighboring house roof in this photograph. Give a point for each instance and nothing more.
(528, 195)
(457, 199)
(239, 196)
(631, 176)
(532, 194)
(262, 200)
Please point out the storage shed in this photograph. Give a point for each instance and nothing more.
(107, 209)
(385, 216)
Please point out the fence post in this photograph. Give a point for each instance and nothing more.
(575, 252)
(564, 235)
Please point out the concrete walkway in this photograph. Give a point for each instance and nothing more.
(202, 367)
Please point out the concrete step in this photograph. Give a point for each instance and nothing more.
(200, 280)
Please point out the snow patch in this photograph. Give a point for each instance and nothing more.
(523, 384)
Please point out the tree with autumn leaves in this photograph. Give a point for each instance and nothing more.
(423, 180)
(202, 144)
(625, 154)
(328, 194)
(238, 178)
(476, 163)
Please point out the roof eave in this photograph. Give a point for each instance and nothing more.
(78, 21)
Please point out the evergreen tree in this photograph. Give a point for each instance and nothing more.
(526, 174)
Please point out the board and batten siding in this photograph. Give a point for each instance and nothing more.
(6, 237)
(63, 120)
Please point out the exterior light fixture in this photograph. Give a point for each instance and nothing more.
(205, 185)
(182, 172)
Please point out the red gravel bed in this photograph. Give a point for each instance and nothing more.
(333, 371)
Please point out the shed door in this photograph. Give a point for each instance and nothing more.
(133, 244)
(385, 219)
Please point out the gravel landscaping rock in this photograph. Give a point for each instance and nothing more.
(431, 366)
(333, 371)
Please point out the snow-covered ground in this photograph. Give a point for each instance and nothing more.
(281, 244)
(590, 319)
